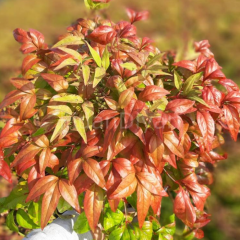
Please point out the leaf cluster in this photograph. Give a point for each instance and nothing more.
(103, 119)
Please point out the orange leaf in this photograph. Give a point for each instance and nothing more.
(93, 170)
(69, 193)
(41, 186)
(93, 204)
(49, 204)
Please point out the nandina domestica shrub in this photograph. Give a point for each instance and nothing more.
(102, 121)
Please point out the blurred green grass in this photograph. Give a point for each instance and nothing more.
(171, 24)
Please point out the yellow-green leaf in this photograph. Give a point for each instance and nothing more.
(72, 52)
(129, 65)
(99, 74)
(177, 80)
(188, 85)
(58, 129)
(86, 73)
(69, 98)
(70, 40)
(62, 108)
(105, 59)
(88, 109)
(95, 55)
(79, 125)
(66, 62)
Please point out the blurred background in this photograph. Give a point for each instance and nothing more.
(171, 23)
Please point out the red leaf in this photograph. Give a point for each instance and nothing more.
(74, 169)
(90, 151)
(44, 159)
(151, 93)
(49, 204)
(125, 188)
(180, 106)
(156, 204)
(232, 119)
(28, 62)
(125, 97)
(27, 106)
(137, 16)
(125, 29)
(151, 183)
(138, 132)
(212, 70)
(41, 186)
(156, 150)
(93, 204)
(207, 127)
(57, 82)
(105, 115)
(229, 84)
(28, 152)
(92, 169)
(110, 131)
(171, 141)
(5, 170)
(143, 203)
(103, 35)
(69, 193)
(198, 192)
(82, 183)
(11, 97)
(9, 134)
(31, 41)
(190, 65)
(131, 111)
(183, 208)
(42, 141)
(123, 166)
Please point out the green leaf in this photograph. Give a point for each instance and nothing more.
(198, 99)
(66, 62)
(58, 129)
(72, 52)
(69, 40)
(133, 200)
(86, 73)
(105, 59)
(79, 125)
(11, 223)
(117, 216)
(63, 205)
(24, 220)
(147, 229)
(159, 104)
(95, 55)
(62, 108)
(88, 109)
(117, 233)
(129, 65)
(108, 222)
(177, 80)
(81, 225)
(99, 74)
(188, 84)
(34, 212)
(69, 98)
(96, 6)
(154, 59)
(16, 199)
(39, 132)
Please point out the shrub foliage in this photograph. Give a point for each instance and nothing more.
(103, 119)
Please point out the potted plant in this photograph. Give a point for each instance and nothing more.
(102, 121)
